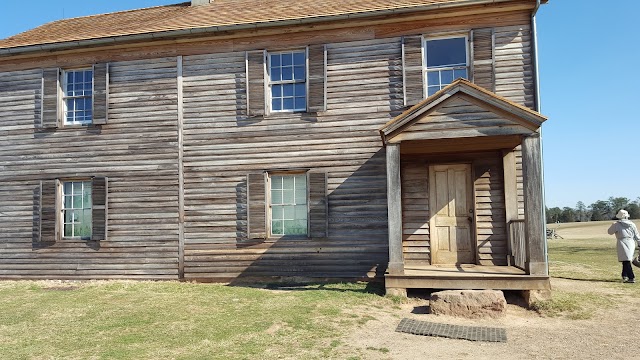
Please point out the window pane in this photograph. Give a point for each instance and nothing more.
(446, 52)
(276, 104)
(299, 73)
(287, 73)
(276, 90)
(433, 78)
(301, 196)
(67, 188)
(433, 89)
(68, 230)
(277, 212)
(276, 227)
(301, 181)
(287, 104)
(288, 182)
(275, 74)
(77, 188)
(88, 76)
(287, 59)
(301, 212)
(88, 203)
(300, 103)
(67, 202)
(295, 227)
(300, 89)
(299, 58)
(68, 216)
(289, 213)
(275, 60)
(287, 89)
(460, 73)
(77, 202)
(276, 182)
(288, 197)
(446, 76)
(276, 196)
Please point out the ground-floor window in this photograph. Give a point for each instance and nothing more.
(77, 209)
(288, 205)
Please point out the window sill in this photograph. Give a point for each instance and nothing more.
(274, 238)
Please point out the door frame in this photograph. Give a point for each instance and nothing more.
(472, 225)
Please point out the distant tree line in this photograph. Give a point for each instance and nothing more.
(599, 210)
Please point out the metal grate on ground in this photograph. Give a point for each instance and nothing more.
(472, 333)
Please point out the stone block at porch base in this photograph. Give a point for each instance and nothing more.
(469, 303)
(533, 296)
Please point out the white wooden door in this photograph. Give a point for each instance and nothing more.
(451, 209)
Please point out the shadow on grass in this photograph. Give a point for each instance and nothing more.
(585, 279)
(375, 288)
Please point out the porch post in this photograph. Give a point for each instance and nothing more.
(394, 205)
(533, 206)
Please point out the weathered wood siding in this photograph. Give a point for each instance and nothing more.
(415, 212)
(459, 118)
(137, 151)
(515, 79)
(490, 217)
(364, 87)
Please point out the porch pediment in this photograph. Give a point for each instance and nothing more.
(461, 110)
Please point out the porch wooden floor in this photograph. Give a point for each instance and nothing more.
(466, 277)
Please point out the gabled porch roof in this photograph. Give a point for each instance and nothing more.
(461, 110)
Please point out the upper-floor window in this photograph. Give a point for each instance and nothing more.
(446, 59)
(288, 81)
(288, 205)
(77, 96)
(77, 209)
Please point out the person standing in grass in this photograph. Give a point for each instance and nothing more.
(627, 234)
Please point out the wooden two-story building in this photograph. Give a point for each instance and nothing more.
(233, 140)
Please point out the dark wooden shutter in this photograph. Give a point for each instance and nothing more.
(256, 207)
(99, 196)
(317, 75)
(255, 83)
(50, 89)
(49, 228)
(100, 93)
(318, 209)
(483, 58)
(412, 69)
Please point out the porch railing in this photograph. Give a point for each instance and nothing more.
(517, 244)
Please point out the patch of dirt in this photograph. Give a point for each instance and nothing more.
(608, 335)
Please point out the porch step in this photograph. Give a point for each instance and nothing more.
(471, 277)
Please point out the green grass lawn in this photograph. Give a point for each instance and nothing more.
(172, 320)
(586, 253)
(125, 320)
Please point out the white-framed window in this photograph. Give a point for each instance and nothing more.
(287, 71)
(76, 209)
(77, 96)
(288, 205)
(445, 59)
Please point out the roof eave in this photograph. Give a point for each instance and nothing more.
(235, 27)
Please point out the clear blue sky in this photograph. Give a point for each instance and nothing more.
(593, 129)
